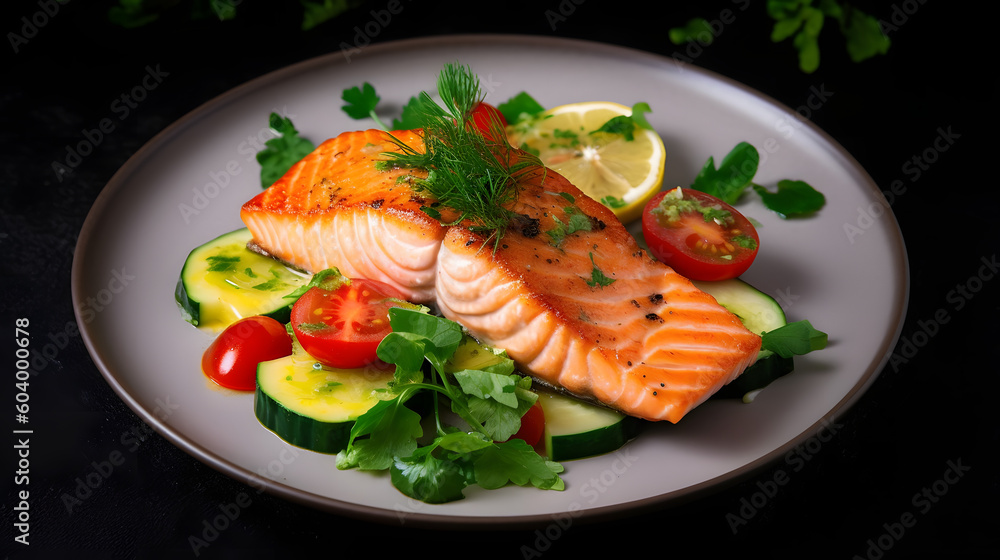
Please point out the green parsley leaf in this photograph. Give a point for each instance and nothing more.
(794, 339)
(412, 115)
(424, 477)
(315, 12)
(436, 338)
(639, 111)
(392, 431)
(281, 153)
(733, 175)
(521, 107)
(360, 103)
(328, 279)
(803, 22)
(272, 285)
(597, 277)
(865, 37)
(515, 461)
(613, 202)
(793, 198)
(695, 30)
(625, 125)
(618, 125)
(219, 263)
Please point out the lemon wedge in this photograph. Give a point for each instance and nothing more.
(623, 174)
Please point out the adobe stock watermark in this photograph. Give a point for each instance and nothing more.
(958, 297)
(33, 23)
(913, 168)
(118, 280)
(922, 501)
(794, 461)
(563, 10)
(364, 34)
(220, 179)
(900, 15)
(589, 492)
(217, 523)
(694, 49)
(100, 471)
(122, 106)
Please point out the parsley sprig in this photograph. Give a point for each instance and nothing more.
(488, 400)
(735, 174)
(802, 21)
(283, 151)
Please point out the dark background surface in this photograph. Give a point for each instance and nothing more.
(917, 420)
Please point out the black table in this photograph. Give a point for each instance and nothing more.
(910, 472)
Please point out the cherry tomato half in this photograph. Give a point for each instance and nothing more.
(341, 328)
(698, 235)
(532, 425)
(487, 118)
(231, 360)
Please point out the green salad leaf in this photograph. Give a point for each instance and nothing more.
(793, 198)
(521, 107)
(488, 400)
(735, 174)
(794, 339)
(282, 152)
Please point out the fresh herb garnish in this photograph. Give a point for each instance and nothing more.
(794, 339)
(613, 202)
(597, 277)
(218, 263)
(328, 279)
(281, 153)
(626, 124)
(735, 174)
(360, 103)
(802, 21)
(489, 401)
(468, 172)
(794, 198)
(521, 107)
(576, 221)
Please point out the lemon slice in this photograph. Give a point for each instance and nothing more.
(623, 174)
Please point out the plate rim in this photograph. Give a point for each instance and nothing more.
(118, 181)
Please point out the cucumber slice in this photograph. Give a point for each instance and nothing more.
(314, 407)
(760, 313)
(575, 429)
(222, 281)
(760, 374)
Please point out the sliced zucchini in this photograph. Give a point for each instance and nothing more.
(760, 374)
(575, 429)
(223, 281)
(312, 406)
(760, 313)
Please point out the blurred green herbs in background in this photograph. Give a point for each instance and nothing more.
(802, 20)
(137, 13)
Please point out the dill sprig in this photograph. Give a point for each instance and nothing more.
(474, 173)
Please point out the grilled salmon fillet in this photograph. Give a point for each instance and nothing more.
(570, 295)
(335, 209)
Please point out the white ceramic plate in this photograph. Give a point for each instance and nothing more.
(186, 186)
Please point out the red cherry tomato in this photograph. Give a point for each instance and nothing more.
(341, 328)
(486, 118)
(532, 425)
(231, 360)
(698, 235)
